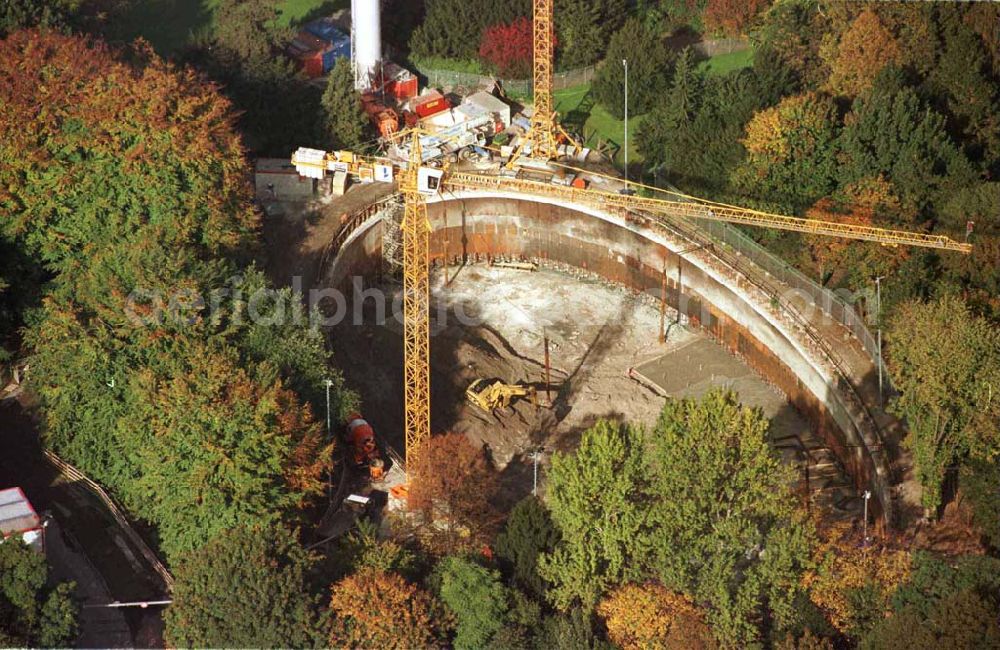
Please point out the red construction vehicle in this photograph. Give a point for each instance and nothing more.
(361, 437)
(385, 119)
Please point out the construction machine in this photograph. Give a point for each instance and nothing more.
(493, 394)
(361, 438)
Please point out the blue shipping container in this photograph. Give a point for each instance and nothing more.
(325, 29)
(330, 57)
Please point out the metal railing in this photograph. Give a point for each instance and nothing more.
(832, 304)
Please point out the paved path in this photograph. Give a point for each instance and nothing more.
(100, 627)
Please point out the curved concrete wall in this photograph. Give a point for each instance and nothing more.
(629, 252)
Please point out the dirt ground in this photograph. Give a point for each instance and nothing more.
(295, 234)
(493, 322)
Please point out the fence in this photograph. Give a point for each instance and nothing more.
(81, 479)
(832, 304)
(712, 47)
(517, 87)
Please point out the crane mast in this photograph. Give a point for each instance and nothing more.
(542, 138)
(416, 317)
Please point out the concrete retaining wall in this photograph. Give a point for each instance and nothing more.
(632, 254)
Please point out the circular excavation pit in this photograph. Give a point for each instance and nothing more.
(605, 361)
(597, 298)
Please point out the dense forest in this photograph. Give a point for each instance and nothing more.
(128, 239)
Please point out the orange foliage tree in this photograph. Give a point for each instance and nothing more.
(452, 486)
(732, 17)
(374, 609)
(865, 47)
(869, 202)
(652, 616)
(843, 566)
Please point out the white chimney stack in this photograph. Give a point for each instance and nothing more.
(366, 41)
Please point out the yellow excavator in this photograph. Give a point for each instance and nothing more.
(492, 394)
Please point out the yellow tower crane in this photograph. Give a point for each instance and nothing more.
(545, 133)
(416, 318)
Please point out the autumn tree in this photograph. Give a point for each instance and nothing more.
(246, 587)
(167, 143)
(129, 339)
(945, 362)
(476, 597)
(372, 608)
(791, 150)
(33, 611)
(725, 526)
(507, 48)
(651, 616)
(219, 450)
(865, 48)
(452, 489)
(851, 584)
(527, 534)
(853, 264)
(647, 58)
(603, 481)
(347, 125)
(731, 17)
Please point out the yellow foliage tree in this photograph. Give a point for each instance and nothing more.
(765, 135)
(865, 47)
(651, 616)
(842, 565)
(790, 149)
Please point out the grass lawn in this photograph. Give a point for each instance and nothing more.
(170, 24)
(720, 64)
(575, 106)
